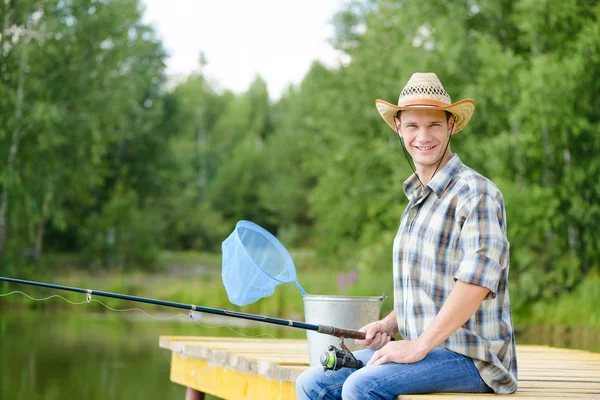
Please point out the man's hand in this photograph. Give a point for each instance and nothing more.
(378, 334)
(401, 352)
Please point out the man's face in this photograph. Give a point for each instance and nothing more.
(425, 134)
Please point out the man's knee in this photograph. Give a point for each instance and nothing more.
(315, 384)
(308, 384)
(356, 387)
(302, 384)
(363, 385)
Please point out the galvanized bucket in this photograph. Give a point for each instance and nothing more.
(348, 312)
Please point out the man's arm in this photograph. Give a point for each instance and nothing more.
(484, 245)
(461, 304)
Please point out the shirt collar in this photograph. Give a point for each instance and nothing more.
(438, 184)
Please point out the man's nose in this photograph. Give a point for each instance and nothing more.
(424, 134)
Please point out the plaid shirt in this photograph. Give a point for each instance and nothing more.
(455, 228)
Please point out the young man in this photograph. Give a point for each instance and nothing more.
(450, 261)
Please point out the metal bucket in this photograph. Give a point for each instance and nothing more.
(348, 312)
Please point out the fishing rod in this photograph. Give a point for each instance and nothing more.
(333, 359)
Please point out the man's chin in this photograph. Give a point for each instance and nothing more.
(427, 161)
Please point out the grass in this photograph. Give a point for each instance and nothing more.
(194, 278)
(579, 308)
(190, 258)
(191, 278)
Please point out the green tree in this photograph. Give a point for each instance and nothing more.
(89, 75)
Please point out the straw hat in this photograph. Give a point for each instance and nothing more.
(424, 91)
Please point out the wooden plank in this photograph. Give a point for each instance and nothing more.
(227, 383)
(221, 339)
(518, 396)
(558, 366)
(561, 373)
(583, 387)
(557, 354)
(563, 364)
(251, 347)
(558, 358)
(521, 394)
(273, 369)
(566, 392)
(561, 379)
(217, 339)
(544, 372)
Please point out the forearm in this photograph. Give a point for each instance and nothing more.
(461, 304)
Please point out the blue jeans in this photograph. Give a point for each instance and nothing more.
(440, 371)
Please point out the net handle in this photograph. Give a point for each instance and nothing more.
(301, 289)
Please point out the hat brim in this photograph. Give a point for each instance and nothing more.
(462, 111)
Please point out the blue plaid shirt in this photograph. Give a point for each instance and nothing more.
(455, 228)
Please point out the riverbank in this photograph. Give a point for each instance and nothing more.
(195, 278)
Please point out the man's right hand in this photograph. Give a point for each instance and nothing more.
(378, 334)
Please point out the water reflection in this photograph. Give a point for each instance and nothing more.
(560, 336)
(48, 355)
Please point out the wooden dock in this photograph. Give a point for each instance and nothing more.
(240, 368)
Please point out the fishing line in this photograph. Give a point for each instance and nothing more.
(336, 358)
(42, 299)
(192, 316)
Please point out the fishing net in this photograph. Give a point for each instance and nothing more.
(254, 263)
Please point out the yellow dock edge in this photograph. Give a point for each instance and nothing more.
(226, 383)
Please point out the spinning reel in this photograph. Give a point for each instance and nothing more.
(334, 359)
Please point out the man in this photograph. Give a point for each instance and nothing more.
(450, 261)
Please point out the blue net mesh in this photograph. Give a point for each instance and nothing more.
(254, 263)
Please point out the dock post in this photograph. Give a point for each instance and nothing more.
(193, 394)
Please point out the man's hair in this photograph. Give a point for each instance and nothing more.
(448, 115)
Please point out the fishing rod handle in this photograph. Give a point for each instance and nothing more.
(341, 333)
(344, 333)
(348, 333)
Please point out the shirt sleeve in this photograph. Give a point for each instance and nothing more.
(483, 243)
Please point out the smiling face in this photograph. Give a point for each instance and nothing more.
(426, 134)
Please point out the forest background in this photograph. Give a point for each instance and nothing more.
(107, 169)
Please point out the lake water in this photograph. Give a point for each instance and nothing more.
(47, 355)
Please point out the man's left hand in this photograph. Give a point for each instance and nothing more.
(401, 352)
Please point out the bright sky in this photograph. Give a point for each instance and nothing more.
(276, 39)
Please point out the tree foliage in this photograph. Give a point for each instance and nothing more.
(100, 156)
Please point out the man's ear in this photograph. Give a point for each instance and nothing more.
(451, 123)
(398, 125)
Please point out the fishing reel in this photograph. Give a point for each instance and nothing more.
(334, 359)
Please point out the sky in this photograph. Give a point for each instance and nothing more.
(276, 39)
